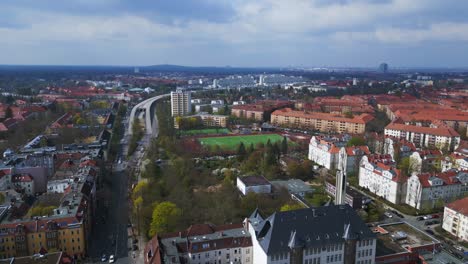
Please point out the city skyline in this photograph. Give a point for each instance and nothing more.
(263, 33)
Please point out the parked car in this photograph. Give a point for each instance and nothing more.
(458, 247)
(420, 218)
(426, 217)
(429, 231)
(111, 259)
(388, 214)
(103, 258)
(135, 247)
(436, 216)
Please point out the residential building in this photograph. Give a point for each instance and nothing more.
(429, 190)
(396, 146)
(23, 183)
(207, 120)
(442, 137)
(423, 159)
(349, 158)
(259, 111)
(181, 103)
(329, 234)
(324, 150)
(324, 122)
(379, 175)
(256, 184)
(456, 218)
(201, 243)
(65, 228)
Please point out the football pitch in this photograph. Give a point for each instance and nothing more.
(232, 142)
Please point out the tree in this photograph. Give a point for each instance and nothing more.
(43, 142)
(8, 113)
(164, 219)
(251, 148)
(290, 207)
(349, 114)
(284, 146)
(356, 141)
(241, 152)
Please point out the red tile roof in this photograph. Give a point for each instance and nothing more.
(350, 151)
(461, 206)
(440, 131)
(360, 119)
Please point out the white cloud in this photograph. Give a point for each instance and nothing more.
(441, 32)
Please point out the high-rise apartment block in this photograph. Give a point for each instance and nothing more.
(180, 103)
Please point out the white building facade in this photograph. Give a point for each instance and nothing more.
(431, 190)
(325, 150)
(304, 241)
(456, 218)
(255, 184)
(378, 174)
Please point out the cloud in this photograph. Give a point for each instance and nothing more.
(204, 31)
(440, 32)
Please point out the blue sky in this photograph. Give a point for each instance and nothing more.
(363, 33)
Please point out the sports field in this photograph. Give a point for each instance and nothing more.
(207, 131)
(232, 142)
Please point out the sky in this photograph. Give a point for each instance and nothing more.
(244, 33)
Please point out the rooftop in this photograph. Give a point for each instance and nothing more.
(359, 119)
(460, 206)
(309, 228)
(254, 180)
(293, 185)
(439, 131)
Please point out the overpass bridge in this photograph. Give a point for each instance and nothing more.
(145, 107)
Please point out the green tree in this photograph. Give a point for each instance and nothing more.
(356, 141)
(164, 218)
(241, 152)
(251, 148)
(8, 113)
(284, 146)
(348, 114)
(290, 207)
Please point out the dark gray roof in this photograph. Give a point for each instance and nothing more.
(309, 228)
(254, 180)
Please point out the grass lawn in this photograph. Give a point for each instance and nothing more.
(232, 142)
(206, 131)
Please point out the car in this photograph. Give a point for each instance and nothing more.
(135, 247)
(426, 217)
(388, 214)
(435, 216)
(458, 247)
(419, 218)
(135, 241)
(429, 231)
(111, 259)
(103, 258)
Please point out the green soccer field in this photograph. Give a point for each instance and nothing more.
(232, 142)
(207, 131)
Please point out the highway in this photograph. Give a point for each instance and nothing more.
(146, 106)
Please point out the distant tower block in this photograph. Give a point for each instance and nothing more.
(383, 67)
(355, 80)
(136, 70)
